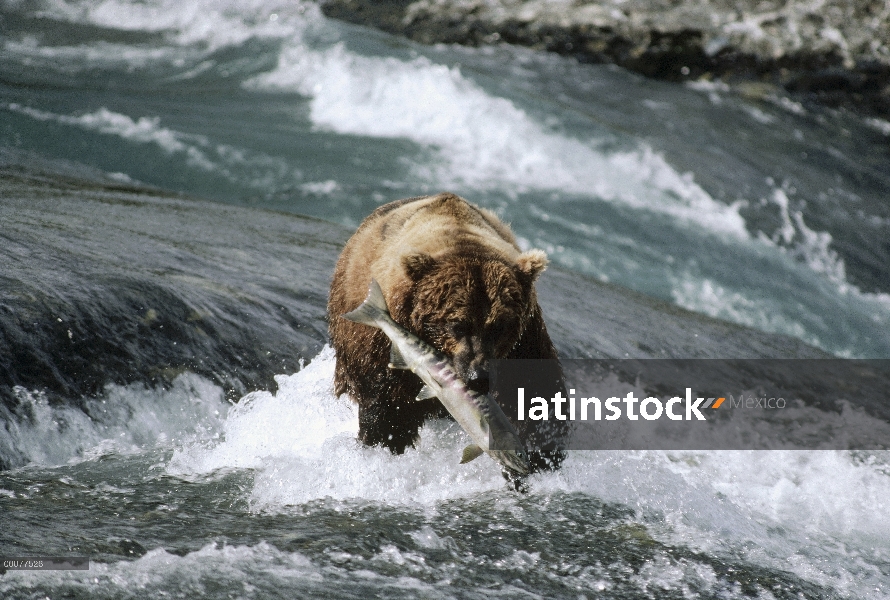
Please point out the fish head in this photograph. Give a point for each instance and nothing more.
(472, 308)
(515, 461)
(504, 443)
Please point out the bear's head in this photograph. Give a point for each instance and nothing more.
(472, 306)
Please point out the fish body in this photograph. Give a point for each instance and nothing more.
(479, 416)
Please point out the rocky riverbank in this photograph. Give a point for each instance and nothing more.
(834, 52)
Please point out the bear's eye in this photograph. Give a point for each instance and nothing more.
(459, 329)
(501, 328)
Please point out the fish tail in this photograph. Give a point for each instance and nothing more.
(373, 310)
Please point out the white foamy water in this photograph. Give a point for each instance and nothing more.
(749, 308)
(263, 571)
(125, 419)
(235, 164)
(810, 247)
(301, 444)
(806, 509)
(476, 140)
(479, 140)
(211, 24)
(252, 571)
(472, 141)
(83, 57)
(768, 307)
(820, 515)
(143, 130)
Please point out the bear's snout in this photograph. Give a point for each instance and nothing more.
(477, 380)
(473, 369)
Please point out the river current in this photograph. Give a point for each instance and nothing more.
(749, 207)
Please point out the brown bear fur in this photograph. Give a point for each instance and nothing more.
(453, 275)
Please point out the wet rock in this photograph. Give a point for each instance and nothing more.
(835, 52)
(107, 283)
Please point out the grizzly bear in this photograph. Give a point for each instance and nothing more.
(453, 275)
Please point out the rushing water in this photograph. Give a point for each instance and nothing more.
(753, 208)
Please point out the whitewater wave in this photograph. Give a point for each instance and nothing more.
(473, 139)
(478, 140)
(235, 164)
(467, 137)
(210, 24)
(300, 445)
(262, 571)
(144, 130)
(125, 419)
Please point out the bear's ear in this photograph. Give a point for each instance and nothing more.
(532, 263)
(417, 264)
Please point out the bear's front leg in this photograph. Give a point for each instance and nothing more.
(388, 413)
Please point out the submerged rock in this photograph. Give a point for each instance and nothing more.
(105, 282)
(836, 52)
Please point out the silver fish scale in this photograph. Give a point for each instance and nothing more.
(448, 374)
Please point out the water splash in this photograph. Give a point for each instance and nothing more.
(125, 419)
(479, 140)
